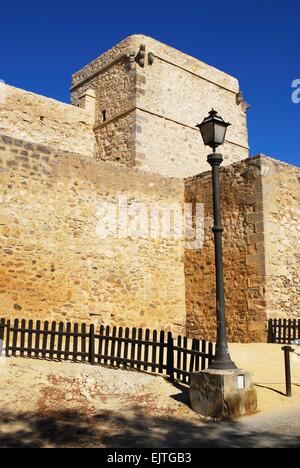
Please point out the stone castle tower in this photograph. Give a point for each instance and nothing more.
(148, 99)
(129, 139)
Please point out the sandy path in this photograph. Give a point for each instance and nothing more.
(51, 404)
(266, 362)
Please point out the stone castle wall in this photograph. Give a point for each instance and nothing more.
(114, 114)
(130, 134)
(152, 105)
(176, 94)
(244, 256)
(281, 200)
(44, 121)
(53, 262)
(260, 206)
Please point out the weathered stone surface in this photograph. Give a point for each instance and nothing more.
(281, 201)
(59, 163)
(40, 120)
(215, 394)
(53, 263)
(260, 205)
(152, 110)
(244, 264)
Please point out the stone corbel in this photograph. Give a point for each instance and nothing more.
(240, 100)
(140, 58)
(131, 60)
(151, 58)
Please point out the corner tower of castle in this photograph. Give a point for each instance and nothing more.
(149, 98)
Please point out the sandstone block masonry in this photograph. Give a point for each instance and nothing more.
(54, 264)
(281, 203)
(131, 133)
(260, 205)
(149, 98)
(44, 121)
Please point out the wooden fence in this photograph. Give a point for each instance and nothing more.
(110, 346)
(283, 331)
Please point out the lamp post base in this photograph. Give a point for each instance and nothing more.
(223, 394)
(226, 364)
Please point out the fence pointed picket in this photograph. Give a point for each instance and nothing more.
(197, 356)
(15, 337)
(92, 345)
(154, 350)
(45, 339)
(75, 342)
(60, 340)
(7, 341)
(184, 366)
(170, 357)
(67, 344)
(52, 340)
(192, 359)
(139, 348)
(113, 346)
(146, 351)
(210, 353)
(106, 344)
(179, 357)
(161, 351)
(37, 339)
(100, 344)
(22, 339)
(30, 331)
(203, 350)
(126, 346)
(83, 342)
(285, 329)
(294, 329)
(132, 354)
(289, 331)
(2, 334)
(271, 338)
(276, 337)
(119, 347)
(280, 331)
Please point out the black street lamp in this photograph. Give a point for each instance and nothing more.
(213, 130)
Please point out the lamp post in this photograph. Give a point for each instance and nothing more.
(213, 130)
(222, 390)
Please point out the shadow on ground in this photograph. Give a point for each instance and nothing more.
(113, 430)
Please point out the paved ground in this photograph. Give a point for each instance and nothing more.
(270, 431)
(136, 430)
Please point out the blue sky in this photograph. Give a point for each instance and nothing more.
(43, 43)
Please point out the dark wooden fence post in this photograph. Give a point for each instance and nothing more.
(170, 357)
(2, 330)
(15, 337)
(270, 332)
(92, 345)
(161, 351)
(210, 353)
(7, 341)
(287, 362)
